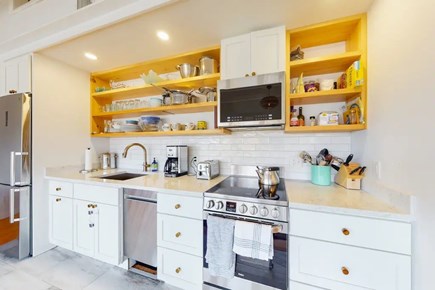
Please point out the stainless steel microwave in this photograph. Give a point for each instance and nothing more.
(257, 101)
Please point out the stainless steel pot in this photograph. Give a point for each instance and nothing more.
(207, 65)
(268, 175)
(187, 70)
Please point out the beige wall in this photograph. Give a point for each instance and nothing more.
(401, 47)
(60, 131)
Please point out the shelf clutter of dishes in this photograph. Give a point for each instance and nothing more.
(349, 174)
(151, 124)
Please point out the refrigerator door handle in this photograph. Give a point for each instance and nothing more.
(12, 218)
(12, 169)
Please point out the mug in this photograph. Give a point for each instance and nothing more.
(177, 127)
(166, 127)
(189, 126)
(201, 125)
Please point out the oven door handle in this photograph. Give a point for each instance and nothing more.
(276, 228)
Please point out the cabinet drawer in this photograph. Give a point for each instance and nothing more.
(180, 205)
(364, 232)
(60, 188)
(181, 234)
(106, 195)
(341, 267)
(179, 269)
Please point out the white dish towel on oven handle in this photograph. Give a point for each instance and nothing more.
(253, 240)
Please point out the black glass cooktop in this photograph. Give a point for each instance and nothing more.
(245, 188)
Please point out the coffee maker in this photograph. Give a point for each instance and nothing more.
(177, 163)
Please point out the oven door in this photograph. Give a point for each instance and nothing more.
(253, 274)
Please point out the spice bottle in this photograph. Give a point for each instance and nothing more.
(294, 121)
(312, 120)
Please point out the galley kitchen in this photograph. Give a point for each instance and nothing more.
(214, 145)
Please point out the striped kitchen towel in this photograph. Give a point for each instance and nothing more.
(253, 240)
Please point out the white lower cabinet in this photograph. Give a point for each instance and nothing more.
(89, 227)
(180, 269)
(342, 252)
(61, 221)
(180, 240)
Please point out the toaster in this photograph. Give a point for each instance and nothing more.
(207, 169)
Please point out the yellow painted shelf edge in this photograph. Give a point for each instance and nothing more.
(345, 55)
(337, 92)
(164, 133)
(320, 129)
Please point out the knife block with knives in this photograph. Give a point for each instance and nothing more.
(350, 176)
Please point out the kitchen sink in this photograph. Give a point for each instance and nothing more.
(121, 176)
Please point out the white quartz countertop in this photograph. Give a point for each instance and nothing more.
(301, 194)
(337, 199)
(187, 185)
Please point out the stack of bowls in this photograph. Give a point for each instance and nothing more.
(149, 123)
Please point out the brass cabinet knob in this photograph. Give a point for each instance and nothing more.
(12, 91)
(178, 234)
(178, 270)
(345, 231)
(58, 199)
(246, 75)
(89, 205)
(94, 206)
(253, 73)
(58, 188)
(345, 271)
(177, 206)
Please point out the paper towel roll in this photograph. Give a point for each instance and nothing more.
(88, 159)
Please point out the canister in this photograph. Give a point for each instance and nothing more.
(207, 65)
(321, 175)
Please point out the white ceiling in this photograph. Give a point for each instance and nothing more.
(194, 24)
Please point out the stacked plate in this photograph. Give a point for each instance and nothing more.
(131, 126)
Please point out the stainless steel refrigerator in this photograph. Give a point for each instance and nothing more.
(15, 175)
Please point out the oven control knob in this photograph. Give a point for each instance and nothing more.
(264, 211)
(219, 205)
(253, 210)
(243, 208)
(274, 213)
(210, 204)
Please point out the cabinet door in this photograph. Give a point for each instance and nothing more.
(268, 50)
(107, 234)
(236, 56)
(340, 267)
(18, 75)
(84, 224)
(61, 221)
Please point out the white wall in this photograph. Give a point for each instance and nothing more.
(401, 47)
(243, 148)
(60, 131)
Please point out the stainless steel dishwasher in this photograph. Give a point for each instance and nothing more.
(140, 230)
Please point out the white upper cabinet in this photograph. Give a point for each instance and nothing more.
(255, 53)
(16, 75)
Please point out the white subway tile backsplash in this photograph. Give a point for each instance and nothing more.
(242, 148)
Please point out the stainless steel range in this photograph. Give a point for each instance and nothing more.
(243, 198)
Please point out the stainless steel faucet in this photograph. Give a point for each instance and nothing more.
(145, 164)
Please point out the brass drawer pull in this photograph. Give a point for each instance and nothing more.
(58, 188)
(178, 234)
(345, 271)
(58, 199)
(177, 206)
(246, 75)
(345, 231)
(178, 270)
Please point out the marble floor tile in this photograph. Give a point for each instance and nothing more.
(5, 268)
(117, 278)
(18, 280)
(75, 273)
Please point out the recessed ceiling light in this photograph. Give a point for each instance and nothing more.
(162, 35)
(91, 56)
